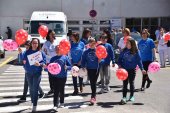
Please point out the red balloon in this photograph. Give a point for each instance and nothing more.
(121, 74)
(43, 31)
(64, 47)
(101, 52)
(167, 37)
(21, 36)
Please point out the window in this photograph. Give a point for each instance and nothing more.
(72, 22)
(103, 28)
(165, 22)
(104, 22)
(86, 22)
(74, 28)
(57, 26)
(134, 24)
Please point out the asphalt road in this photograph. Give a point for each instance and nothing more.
(156, 99)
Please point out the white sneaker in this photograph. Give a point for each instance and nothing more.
(34, 108)
(107, 88)
(87, 82)
(55, 108)
(61, 105)
(102, 91)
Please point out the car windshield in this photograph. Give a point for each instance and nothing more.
(57, 26)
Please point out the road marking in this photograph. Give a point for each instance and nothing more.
(6, 61)
(16, 93)
(21, 88)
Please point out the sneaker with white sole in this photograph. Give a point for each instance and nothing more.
(107, 88)
(123, 101)
(102, 91)
(61, 105)
(55, 108)
(34, 109)
(93, 101)
(132, 99)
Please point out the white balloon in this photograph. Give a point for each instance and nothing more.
(75, 71)
(82, 73)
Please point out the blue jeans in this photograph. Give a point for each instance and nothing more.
(25, 90)
(34, 79)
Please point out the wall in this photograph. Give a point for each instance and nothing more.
(12, 12)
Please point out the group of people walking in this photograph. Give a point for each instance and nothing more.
(82, 54)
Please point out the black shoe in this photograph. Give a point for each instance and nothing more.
(149, 83)
(50, 92)
(99, 82)
(142, 89)
(22, 99)
(42, 95)
(75, 93)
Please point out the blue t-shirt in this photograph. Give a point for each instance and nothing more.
(62, 61)
(76, 52)
(89, 59)
(145, 48)
(130, 61)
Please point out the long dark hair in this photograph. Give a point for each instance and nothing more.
(134, 48)
(76, 36)
(48, 34)
(39, 45)
(85, 32)
(107, 33)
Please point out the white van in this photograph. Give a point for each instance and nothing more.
(56, 21)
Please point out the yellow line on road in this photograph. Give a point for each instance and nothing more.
(6, 61)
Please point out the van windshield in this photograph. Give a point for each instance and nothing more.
(58, 26)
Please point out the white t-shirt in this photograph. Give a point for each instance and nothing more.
(50, 50)
(161, 44)
(121, 43)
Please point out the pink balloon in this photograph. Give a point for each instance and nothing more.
(10, 45)
(54, 68)
(154, 67)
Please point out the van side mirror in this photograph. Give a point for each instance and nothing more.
(1, 37)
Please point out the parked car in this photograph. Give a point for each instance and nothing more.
(2, 50)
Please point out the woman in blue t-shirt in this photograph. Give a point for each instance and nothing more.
(76, 52)
(129, 58)
(148, 55)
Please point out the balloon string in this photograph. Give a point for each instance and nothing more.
(19, 60)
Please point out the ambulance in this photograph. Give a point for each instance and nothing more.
(54, 20)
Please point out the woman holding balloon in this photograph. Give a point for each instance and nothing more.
(91, 63)
(33, 71)
(129, 58)
(148, 54)
(76, 52)
(49, 50)
(60, 77)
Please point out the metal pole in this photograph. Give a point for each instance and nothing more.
(92, 19)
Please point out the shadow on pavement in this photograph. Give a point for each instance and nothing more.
(136, 90)
(76, 105)
(118, 86)
(5, 104)
(108, 104)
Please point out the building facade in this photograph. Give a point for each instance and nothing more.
(136, 14)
